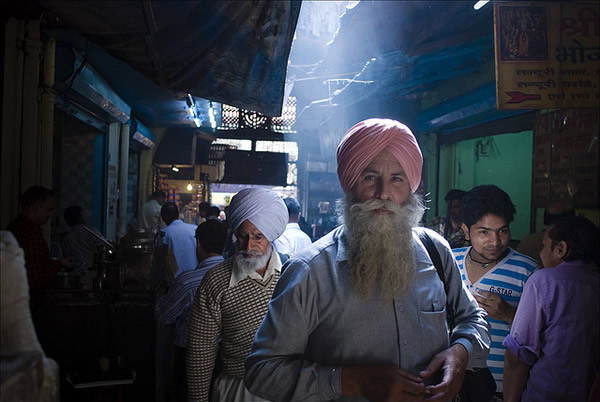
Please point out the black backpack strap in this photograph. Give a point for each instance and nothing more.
(433, 255)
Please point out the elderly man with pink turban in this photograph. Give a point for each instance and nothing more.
(232, 298)
(362, 313)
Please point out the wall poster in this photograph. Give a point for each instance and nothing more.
(547, 54)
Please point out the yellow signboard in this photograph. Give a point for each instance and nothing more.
(547, 55)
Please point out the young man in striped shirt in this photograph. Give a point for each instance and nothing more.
(493, 272)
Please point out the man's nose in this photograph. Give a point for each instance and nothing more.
(250, 245)
(496, 238)
(383, 190)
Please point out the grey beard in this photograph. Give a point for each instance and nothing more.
(381, 254)
(251, 264)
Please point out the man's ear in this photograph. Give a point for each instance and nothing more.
(466, 231)
(562, 249)
(35, 209)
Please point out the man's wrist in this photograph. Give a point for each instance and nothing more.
(349, 382)
(461, 352)
(510, 313)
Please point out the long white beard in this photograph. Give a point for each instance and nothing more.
(251, 261)
(381, 252)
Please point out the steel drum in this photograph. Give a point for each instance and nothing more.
(140, 254)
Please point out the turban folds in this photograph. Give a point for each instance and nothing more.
(263, 208)
(367, 139)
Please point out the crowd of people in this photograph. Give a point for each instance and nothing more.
(383, 307)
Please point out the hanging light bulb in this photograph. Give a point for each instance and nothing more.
(190, 187)
(480, 4)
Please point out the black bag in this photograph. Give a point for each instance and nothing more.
(478, 384)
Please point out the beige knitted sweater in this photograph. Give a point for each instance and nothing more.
(232, 315)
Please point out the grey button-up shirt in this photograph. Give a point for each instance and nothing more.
(317, 324)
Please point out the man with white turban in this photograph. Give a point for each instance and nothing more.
(362, 312)
(232, 298)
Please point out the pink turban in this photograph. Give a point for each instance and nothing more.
(367, 139)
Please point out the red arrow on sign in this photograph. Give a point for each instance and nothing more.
(518, 97)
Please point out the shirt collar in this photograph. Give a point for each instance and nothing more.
(210, 261)
(576, 264)
(274, 265)
(343, 243)
(29, 222)
(341, 232)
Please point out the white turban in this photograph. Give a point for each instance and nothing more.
(263, 208)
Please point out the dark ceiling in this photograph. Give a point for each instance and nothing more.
(155, 52)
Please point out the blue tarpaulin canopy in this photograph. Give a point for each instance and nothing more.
(469, 109)
(232, 52)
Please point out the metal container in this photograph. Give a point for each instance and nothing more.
(67, 280)
(138, 258)
(107, 266)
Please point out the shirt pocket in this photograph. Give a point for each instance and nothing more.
(434, 332)
(432, 316)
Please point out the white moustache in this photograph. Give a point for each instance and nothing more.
(251, 253)
(375, 204)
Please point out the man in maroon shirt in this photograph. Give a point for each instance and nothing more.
(37, 206)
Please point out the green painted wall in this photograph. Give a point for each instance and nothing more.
(503, 160)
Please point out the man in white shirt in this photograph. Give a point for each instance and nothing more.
(293, 238)
(149, 217)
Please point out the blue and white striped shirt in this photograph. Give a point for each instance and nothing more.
(175, 305)
(507, 278)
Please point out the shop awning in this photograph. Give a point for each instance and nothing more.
(232, 52)
(467, 110)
